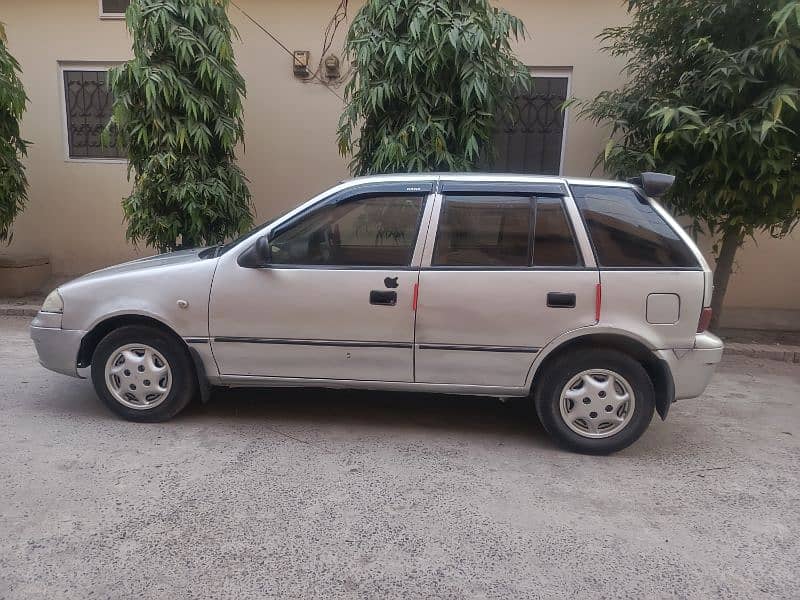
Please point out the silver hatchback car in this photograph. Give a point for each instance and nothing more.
(583, 294)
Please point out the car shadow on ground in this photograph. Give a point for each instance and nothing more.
(373, 409)
(315, 408)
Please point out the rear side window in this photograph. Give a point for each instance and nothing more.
(554, 244)
(504, 231)
(628, 232)
(491, 231)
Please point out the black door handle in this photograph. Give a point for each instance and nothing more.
(561, 300)
(382, 298)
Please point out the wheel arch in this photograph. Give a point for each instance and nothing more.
(102, 328)
(657, 369)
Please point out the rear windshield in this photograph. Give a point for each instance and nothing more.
(626, 231)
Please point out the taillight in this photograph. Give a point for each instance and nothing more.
(705, 320)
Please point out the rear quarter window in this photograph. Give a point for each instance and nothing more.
(626, 231)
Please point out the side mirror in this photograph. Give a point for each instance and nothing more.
(653, 184)
(263, 250)
(258, 255)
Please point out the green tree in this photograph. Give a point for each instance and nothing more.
(13, 184)
(713, 98)
(178, 113)
(430, 79)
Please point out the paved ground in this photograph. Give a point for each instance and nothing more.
(300, 494)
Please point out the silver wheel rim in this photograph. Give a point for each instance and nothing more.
(597, 403)
(138, 376)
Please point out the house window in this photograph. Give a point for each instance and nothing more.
(113, 9)
(532, 140)
(88, 102)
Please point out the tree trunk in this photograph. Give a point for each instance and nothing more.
(731, 241)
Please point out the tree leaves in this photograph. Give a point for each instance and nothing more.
(430, 76)
(178, 113)
(713, 97)
(13, 183)
(780, 19)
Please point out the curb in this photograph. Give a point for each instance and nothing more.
(18, 310)
(787, 354)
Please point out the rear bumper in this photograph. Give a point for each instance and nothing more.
(692, 368)
(57, 348)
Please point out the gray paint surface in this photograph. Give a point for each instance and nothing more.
(298, 493)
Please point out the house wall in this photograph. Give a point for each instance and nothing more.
(74, 215)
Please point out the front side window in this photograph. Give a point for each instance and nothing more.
(626, 231)
(88, 102)
(367, 231)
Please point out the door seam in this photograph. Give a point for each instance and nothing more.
(435, 197)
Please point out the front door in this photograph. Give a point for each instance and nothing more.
(503, 278)
(336, 300)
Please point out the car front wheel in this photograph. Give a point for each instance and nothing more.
(143, 374)
(595, 401)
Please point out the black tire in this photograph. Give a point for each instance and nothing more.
(183, 378)
(547, 398)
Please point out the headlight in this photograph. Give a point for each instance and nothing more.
(53, 303)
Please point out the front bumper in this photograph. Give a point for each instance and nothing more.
(57, 348)
(692, 368)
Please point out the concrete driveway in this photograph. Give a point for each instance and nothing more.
(301, 494)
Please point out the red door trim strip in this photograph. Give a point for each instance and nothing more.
(598, 300)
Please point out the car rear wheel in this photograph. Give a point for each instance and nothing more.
(595, 401)
(143, 374)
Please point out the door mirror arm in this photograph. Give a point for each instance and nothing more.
(264, 250)
(258, 255)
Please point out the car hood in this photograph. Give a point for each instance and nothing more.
(171, 288)
(170, 259)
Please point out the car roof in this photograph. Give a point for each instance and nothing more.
(486, 177)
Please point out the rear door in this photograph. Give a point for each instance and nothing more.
(502, 275)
